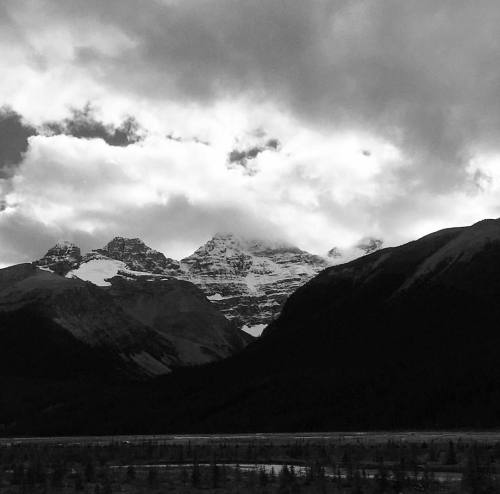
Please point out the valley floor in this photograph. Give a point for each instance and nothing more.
(407, 462)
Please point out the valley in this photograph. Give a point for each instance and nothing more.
(409, 462)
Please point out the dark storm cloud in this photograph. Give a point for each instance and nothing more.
(84, 124)
(25, 239)
(186, 221)
(241, 157)
(14, 134)
(420, 73)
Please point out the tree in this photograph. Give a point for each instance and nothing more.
(263, 478)
(195, 475)
(215, 475)
(131, 475)
(451, 456)
(153, 477)
(79, 486)
(90, 471)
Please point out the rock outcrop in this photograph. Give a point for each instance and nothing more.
(249, 280)
(61, 258)
(137, 256)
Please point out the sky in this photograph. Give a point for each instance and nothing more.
(316, 123)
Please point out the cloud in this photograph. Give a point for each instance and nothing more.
(14, 134)
(84, 124)
(14, 141)
(88, 191)
(419, 74)
(387, 114)
(242, 157)
(369, 245)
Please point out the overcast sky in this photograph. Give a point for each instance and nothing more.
(318, 122)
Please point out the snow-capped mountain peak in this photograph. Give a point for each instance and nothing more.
(248, 279)
(137, 256)
(60, 258)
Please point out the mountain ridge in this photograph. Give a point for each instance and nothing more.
(247, 279)
(403, 338)
(184, 327)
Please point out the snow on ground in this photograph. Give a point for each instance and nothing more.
(218, 296)
(255, 330)
(45, 268)
(97, 271)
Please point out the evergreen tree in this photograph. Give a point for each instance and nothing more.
(78, 481)
(90, 472)
(237, 473)
(214, 475)
(131, 475)
(451, 456)
(263, 478)
(184, 476)
(195, 475)
(153, 477)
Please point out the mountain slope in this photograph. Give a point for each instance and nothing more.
(179, 311)
(148, 287)
(81, 314)
(145, 328)
(405, 337)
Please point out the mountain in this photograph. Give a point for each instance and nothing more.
(41, 308)
(402, 338)
(405, 337)
(144, 328)
(139, 257)
(366, 245)
(180, 312)
(247, 280)
(61, 258)
(129, 257)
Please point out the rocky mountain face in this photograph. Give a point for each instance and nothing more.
(61, 258)
(130, 254)
(139, 257)
(247, 280)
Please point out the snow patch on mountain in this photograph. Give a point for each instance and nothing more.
(255, 330)
(97, 271)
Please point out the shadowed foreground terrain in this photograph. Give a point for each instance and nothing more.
(403, 338)
(253, 464)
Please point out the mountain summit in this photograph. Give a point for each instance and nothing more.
(248, 280)
(61, 258)
(137, 256)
